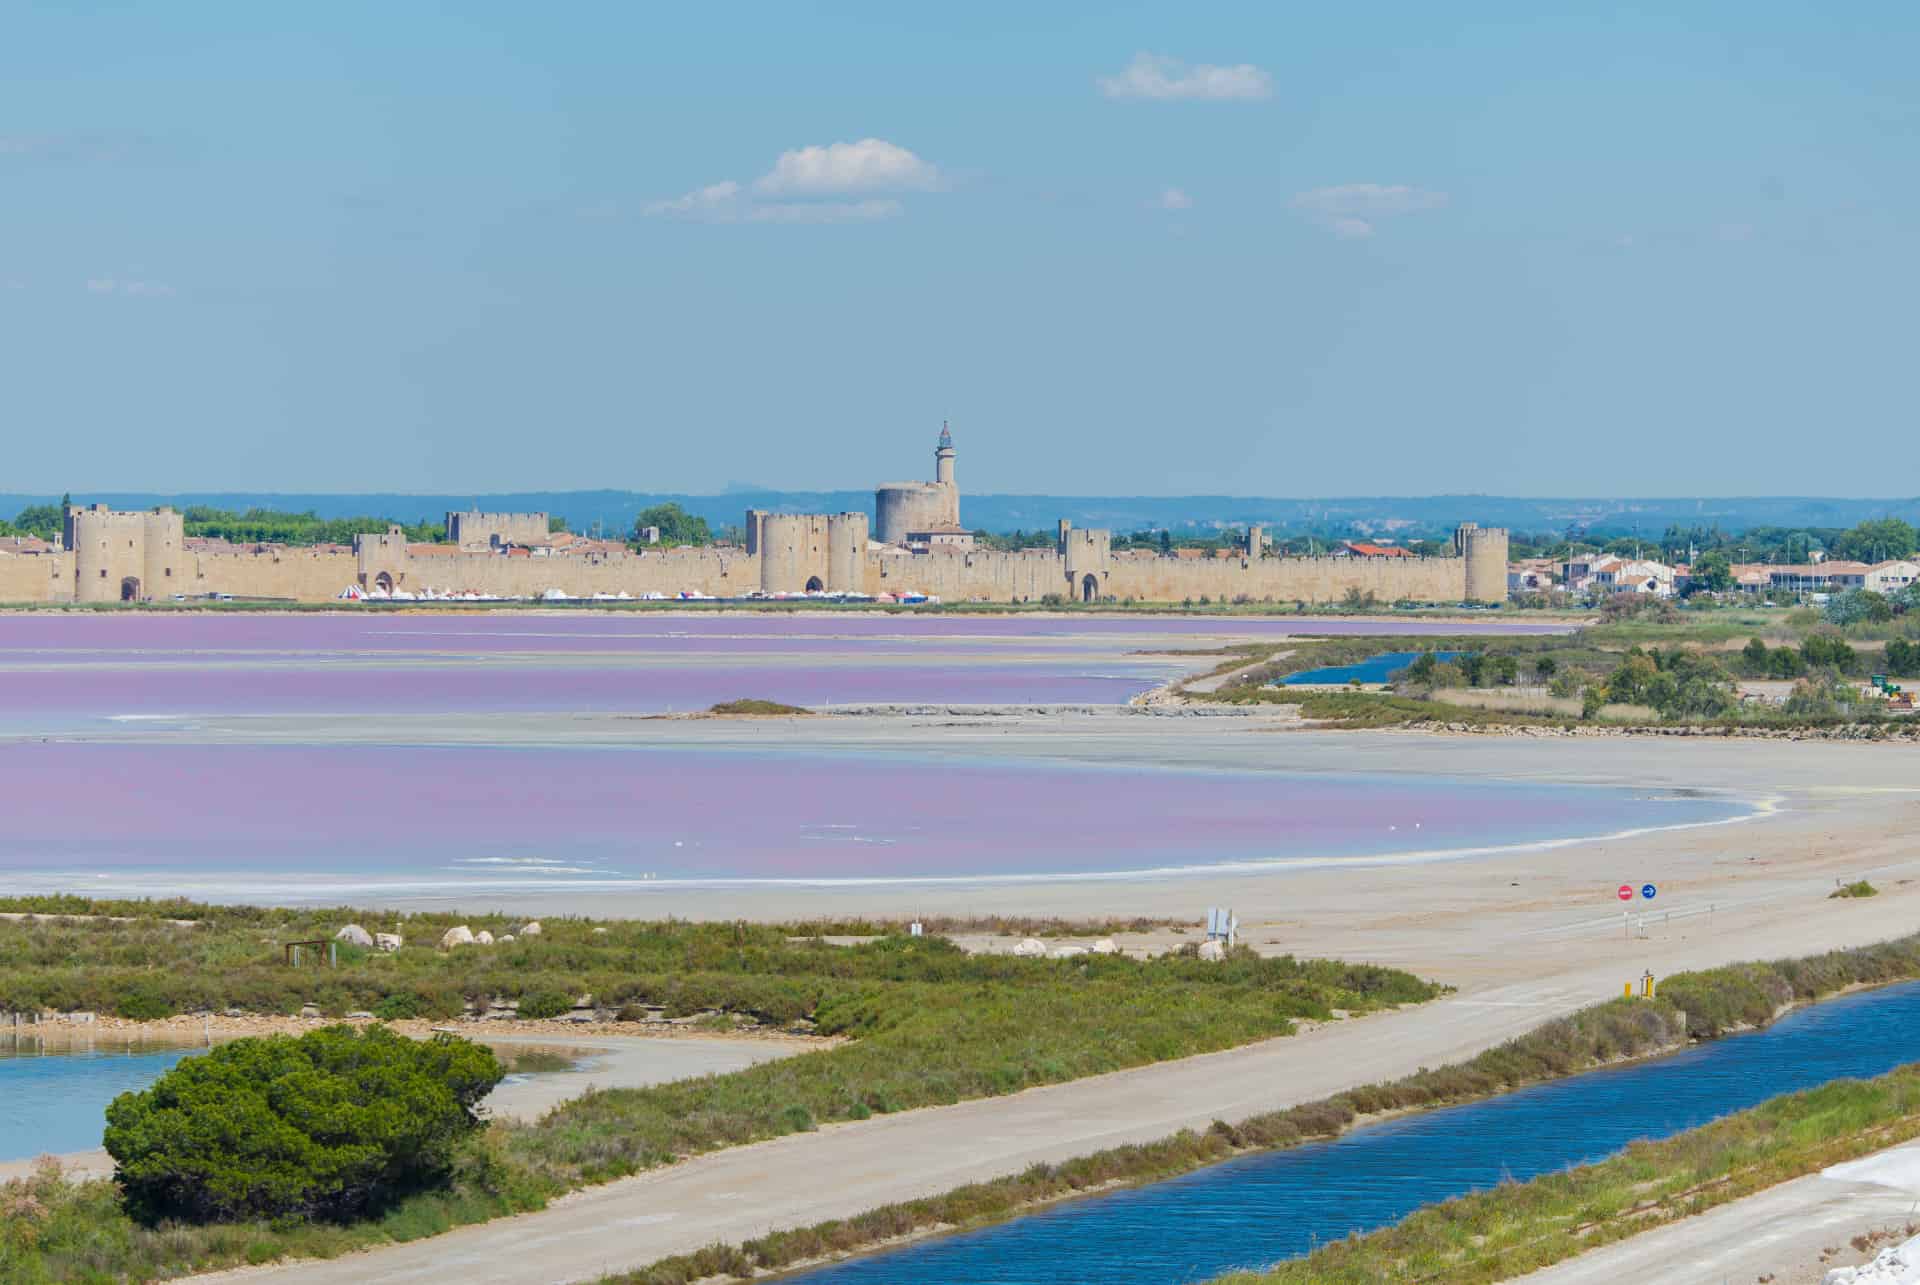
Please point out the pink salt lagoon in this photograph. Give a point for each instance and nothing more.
(58, 671)
(328, 823)
(110, 787)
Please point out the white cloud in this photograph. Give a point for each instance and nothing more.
(1172, 199)
(1160, 77)
(710, 201)
(870, 165)
(836, 169)
(109, 285)
(1354, 210)
(826, 212)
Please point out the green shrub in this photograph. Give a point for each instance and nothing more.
(1858, 888)
(142, 1002)
(333, 1124)
(399, 1005)
(539, 1004)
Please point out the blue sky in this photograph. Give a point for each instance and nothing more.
(1255, 249)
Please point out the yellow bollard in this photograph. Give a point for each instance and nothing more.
(1626, 990)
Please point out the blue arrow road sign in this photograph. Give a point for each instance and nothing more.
(1647, 890)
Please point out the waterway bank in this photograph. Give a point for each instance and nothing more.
(1217, 1198)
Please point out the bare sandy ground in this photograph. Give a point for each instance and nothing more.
(1526, 935)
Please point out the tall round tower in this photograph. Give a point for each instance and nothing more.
(943, 457)
(901, 508)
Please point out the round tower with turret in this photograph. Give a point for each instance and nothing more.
(900, 508)
(1484, 551)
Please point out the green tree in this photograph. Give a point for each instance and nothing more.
(43, 520)
(1419, 673)
(1856, 605)
(1824, 651)
(1755, 654)
(677, 526)
(1712, 572)
(1877, 540)
(334, 1124)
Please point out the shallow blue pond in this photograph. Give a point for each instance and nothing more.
(1261, 1209)
(51, 1102)
(1374, 669)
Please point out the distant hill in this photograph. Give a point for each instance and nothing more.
(1378, 514)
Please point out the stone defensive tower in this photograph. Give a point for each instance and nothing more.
(474, 529)
(904, 507)
(125, 557)
(1484, 552)
(809, 552)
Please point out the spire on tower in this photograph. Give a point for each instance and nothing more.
(946, 437)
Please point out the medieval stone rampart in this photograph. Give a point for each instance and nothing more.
(113, 556)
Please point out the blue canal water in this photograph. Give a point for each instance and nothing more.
(52, 1102)
(1374, 669)
(1261, 1209)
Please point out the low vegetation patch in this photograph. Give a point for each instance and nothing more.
(923, 1023)
(761, 708)
(1858, 888)
(1615, 672)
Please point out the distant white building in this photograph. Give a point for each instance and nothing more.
(1603, 573)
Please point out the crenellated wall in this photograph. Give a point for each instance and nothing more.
(117, 556)
(36, 578)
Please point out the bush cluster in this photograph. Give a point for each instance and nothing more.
(332, 1124)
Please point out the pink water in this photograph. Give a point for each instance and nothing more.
(319, 823)
(57, 671)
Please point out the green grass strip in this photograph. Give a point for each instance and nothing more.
(1701, 1005)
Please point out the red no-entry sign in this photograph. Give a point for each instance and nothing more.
(1626, 892)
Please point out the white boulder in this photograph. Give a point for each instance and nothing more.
(354, 935)
(483, 938)
(1105, 946)
(1213, 951)
(1031, 948)
(504, 939)
(531, 930)
(461, 936)
(1068, 952)
(388, 942)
